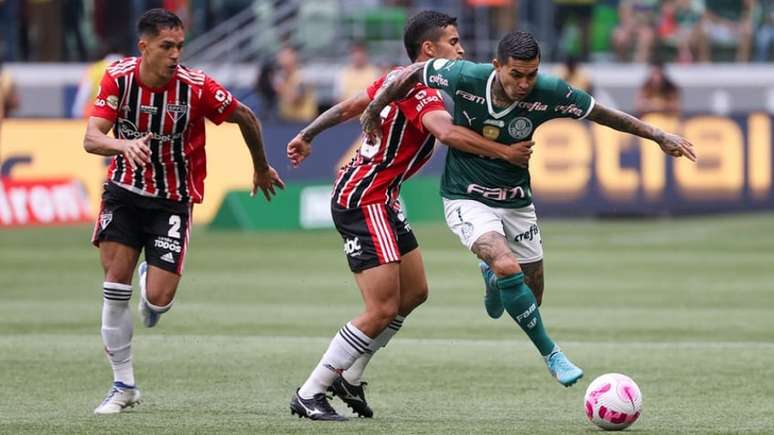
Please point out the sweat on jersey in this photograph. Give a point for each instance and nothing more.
(375, 173)
(174, 114)
(495, 182)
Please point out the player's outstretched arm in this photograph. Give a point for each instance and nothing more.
(264, 176)
(672, 144)
(392, 90)
(439, 124)
(301, 145)
(96, 141)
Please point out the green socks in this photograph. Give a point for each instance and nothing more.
(520, 303)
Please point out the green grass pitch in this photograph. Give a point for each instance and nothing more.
(685, 307)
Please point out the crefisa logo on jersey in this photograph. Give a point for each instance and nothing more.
(520, 127)
(176, 111)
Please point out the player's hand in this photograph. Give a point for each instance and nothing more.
(137, 152)
(266, 181)
(519, 153)
(298, 150)
(371, 123)
(677, 146)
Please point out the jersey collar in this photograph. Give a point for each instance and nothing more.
(489, 105)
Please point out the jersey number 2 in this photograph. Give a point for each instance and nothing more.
(174, 226)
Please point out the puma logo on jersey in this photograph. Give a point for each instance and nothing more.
(470, 120)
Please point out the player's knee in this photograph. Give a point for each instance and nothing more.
(420, 297)
(505, 265)
(384, 313)
(161, 299)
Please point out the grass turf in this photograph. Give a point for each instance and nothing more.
(683, 306)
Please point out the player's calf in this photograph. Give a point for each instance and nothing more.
(149, 313)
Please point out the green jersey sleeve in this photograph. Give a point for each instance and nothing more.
(571, 102)
(444, 74)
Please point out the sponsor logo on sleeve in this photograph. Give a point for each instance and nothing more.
(112, 102)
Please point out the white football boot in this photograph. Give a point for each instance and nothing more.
(120, 397)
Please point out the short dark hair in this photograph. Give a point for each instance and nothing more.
(518, 45)
(424, 26)
(152, 21)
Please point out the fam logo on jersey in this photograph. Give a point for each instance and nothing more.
(352, 247)
(176, 111)
(520, 127)
(471, 97)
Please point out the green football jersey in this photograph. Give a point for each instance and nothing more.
(495, 182)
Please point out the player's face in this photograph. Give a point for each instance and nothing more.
(163, 51)
(448, 46)
(518, 77)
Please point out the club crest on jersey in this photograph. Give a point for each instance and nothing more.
(105, 219)
(490, 132)
(176, 111)
(520, 127)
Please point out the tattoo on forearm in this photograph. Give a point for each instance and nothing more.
(624, 122)
(328, 119)
(397, 87)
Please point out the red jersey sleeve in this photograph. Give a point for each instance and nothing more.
(106, 104)
(217, 100)
(421, 101)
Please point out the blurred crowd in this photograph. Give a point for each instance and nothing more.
(596, 30)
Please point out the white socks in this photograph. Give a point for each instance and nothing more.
(349, 344)
(353, 374)
(117, 330)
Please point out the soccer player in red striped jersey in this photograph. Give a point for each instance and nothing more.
(156, 109)
(380, 246)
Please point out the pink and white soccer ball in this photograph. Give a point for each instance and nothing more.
(613, 401)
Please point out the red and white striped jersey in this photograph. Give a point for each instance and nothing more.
(376, 172)
(174, 114)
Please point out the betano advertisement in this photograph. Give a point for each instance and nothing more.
(577, 169)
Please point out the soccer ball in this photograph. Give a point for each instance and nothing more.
(613, 401)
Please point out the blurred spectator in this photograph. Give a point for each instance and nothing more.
(636, 30)
(764, 35)
(355, 76)
(71, 16)
(679, 27)
(10, 11)
(89, 85)
(297, 100)
(45, 29)
(577, 13)
(659, 94)
(727, 23)
(264, 88)
(575, 75)
(112, 27)
(9, 100)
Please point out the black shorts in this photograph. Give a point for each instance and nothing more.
(159, 226)
(373, 235)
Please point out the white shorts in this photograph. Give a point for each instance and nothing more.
(470, 219)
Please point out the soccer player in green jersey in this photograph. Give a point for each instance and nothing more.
(487, 202)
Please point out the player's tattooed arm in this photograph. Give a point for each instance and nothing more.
(393, 89)
(301, 145)
(672, 144)
(337, 114)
